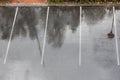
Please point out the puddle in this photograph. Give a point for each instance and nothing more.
(61, 57)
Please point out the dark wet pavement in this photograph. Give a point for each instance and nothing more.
(61, 57)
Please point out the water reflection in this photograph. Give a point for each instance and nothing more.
(98, 55)
(98, 51)
(93, 15)
(6, 20)
(27, 20)
(26, 17)
(59, 19)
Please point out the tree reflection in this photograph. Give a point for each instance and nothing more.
(6, 21)
(27, 20)
(42, 13)
(26, 17)
(93, 15)
(59, 18)
(25, 24)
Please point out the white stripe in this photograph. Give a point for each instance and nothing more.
(116, 36)
(80, 37)
(45, 34)
(11, 33)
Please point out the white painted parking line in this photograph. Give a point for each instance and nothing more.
(116, 36)
(80, 37)
(11, 33)
(45, 34)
